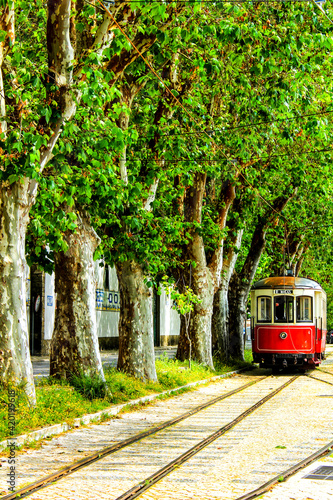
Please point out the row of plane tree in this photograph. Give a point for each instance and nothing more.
(183, 142)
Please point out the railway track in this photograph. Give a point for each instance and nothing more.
(126, 458)
(71, 468)
(279, 464)
(321, 379)
(322, 376)
(157, 476)
(325, 450)
(324, 371)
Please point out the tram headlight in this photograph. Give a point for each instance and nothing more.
(283, 335)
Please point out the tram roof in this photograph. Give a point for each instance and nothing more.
(289, 282)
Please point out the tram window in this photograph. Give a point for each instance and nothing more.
(283, 309)
(264, 309)
(304, 308)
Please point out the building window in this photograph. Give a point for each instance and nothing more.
(264, 309)
(106, 284)
(304, 308)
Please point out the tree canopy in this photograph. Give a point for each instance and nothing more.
(192, 139)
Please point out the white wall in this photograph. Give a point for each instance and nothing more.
(170, 319)
(49, 310)
(107, 307)
(107, 319)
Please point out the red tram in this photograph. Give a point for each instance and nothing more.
(288, 322)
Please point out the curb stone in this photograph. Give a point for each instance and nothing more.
(56, 429)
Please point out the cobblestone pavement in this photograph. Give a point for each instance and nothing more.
(74, 445)
(271, 440)
(289, 427)
(298, 487)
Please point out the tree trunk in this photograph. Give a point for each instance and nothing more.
(204, 278)
(300, 258)
(200, 280)
(74, 345)
(220, 321)
(240, 283)
(239, 289)
(136, 335)
(200, 328)
(237, 301)
(15, 363)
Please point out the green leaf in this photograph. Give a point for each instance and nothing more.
(13, 178)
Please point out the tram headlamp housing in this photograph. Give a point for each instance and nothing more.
(283, 335)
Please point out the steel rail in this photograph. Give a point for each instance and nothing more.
(84, 462)
(171, 466)
(319, 379)
(324, 371)
(326, 450)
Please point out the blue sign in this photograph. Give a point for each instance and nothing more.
(50, 300)
(107, 300)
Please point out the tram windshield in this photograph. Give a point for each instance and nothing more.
(283, 309)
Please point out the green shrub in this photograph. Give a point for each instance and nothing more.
(90, 386)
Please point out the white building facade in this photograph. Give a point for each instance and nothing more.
(42, 304)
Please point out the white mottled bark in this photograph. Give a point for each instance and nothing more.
(74, 345)
(152, 191)
(104, 36)
(200, 329)
(122, 166)
(201, 280)
(15, 363)
(136, 335)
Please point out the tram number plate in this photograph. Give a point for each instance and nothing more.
(284, 292)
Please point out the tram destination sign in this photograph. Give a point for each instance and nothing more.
(284, 292)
